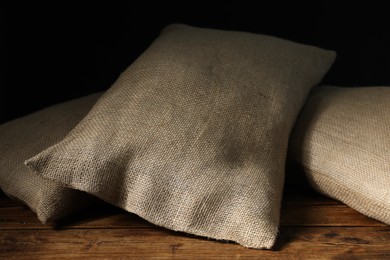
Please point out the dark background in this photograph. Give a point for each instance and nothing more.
(55, 52)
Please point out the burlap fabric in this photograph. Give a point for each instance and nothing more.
(342, 140)
(193, 135)
(24, 137)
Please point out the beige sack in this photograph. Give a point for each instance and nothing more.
(24, 137)
(193, 135)
(342, 140)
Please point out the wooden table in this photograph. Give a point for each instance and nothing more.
(312, 226)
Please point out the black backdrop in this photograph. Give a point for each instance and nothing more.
(55, 52)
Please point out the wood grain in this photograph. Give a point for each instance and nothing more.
(312, 227)
(298, 243)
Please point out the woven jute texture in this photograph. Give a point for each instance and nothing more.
(342, 140)
(193, 135)
(24, 137)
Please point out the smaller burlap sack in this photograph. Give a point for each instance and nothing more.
(342, 140)
(24, 137)
(193, 135)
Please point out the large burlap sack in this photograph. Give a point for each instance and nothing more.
(24, 137)
(342, 140)
(193, 135)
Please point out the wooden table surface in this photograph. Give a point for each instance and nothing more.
(312, 227)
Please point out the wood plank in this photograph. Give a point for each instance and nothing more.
(312, 226)
(298, 210)
(293, 243)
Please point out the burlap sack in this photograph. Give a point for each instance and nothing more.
(24, 137)
(342, 140)
(193, 136)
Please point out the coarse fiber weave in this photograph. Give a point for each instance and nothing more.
(193, 135)
(24, 137)
(342, 140)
